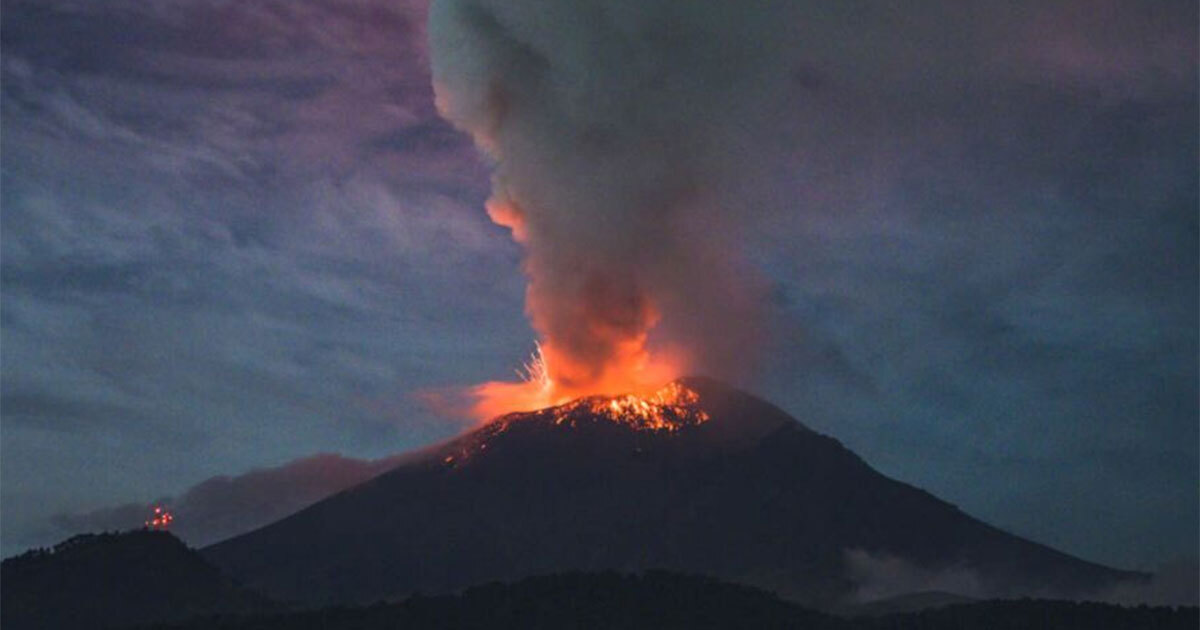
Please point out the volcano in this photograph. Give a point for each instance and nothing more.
(700, 478)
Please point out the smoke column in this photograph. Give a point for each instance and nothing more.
(617, 132)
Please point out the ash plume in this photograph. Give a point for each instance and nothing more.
(619, 136)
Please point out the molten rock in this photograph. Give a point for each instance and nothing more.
(670, 408)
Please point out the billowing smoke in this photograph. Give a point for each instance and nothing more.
(617, 131)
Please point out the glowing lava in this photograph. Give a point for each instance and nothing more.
(161, 519)
(670, 408)
(633, 379)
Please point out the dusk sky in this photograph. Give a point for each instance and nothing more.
(235, 235)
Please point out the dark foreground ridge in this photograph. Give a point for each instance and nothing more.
(664, 601)
(150, 580)
(743, 492)
(102, 580)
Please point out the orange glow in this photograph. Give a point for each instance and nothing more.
(551, 378)
(593, 326)
(593, 316)
(161, 519)
(669, 408)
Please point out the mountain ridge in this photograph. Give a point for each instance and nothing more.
(117, 579)
(749, 495)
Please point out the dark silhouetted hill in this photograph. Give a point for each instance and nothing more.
(1027, 614)
(574, 600)
(908, 602)
(750, 496)
(104, 580)
(664, 601)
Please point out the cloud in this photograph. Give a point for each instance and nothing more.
(1174, 584)
(222, 507)
(882, 576)
(211, 260)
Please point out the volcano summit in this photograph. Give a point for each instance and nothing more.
(698, 478)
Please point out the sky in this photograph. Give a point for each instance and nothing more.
(237, 235)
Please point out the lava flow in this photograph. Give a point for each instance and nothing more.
(670, 408)
(667, 410)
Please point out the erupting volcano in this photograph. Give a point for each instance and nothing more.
(697, 478)
(629, 239)
(613, 171)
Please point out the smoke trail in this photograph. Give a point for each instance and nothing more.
(616, 129)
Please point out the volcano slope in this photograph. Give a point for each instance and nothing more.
(721, 484)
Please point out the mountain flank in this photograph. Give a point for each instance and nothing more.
(741, 492)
